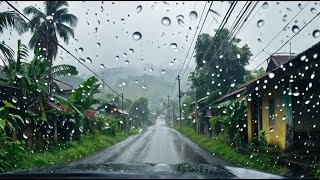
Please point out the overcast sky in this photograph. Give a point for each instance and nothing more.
(122, 20)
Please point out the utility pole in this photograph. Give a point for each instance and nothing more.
(196, 113)
(104, 94)
(168, 111)
(178, 78)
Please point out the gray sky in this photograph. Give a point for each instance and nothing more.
(154, 33)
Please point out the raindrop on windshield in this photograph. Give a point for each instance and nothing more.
(295, 28)
(173, 46)
(180, 17)
(60, 58)
(98, 44)
(238, 56)
(131, 51)
(141, 60)
(137, 36)
(233, 84)
(14, 99)
(102, 66)
(25, 136)
(80, 50)
(126, 61)
(124, 54)
(316, 33)
(284, 18)
(313, 10)
(271, 75)
(138, 9)
(166, 21)
(260, 23)
(19, 75)
(180, 21)
(163, 71)
(117, 57)
(151, 69)
(144, 87)
(88, 60)
(193, 15)
(265, 5)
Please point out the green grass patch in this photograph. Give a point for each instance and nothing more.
(71, 151)
(257, 161)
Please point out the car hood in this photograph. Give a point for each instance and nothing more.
(138, 171)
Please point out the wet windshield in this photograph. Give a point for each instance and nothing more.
(226, 88)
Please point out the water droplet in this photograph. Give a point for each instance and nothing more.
(238, 56)
(117, 58)
(171, 63)
(102, 66)
(307, 102)
(233, 84)
(80, 50)
(123, 83)
(60, 58)
(166, 21)
(19, 76)
(173, 46)
(141, 60)
(14, 99)
(180, 21)
(163, 71)
(315, 56)
(295, 29)
(127, 61)
(316, 33)
(313, 10)
(260, 23)
(180, 17)
(25, 136)
(303, 57)
(137, 36)
(136, 81)
(98, 44)
(271, 75)
(265, 5)
(88, 60)
(285, 18)
(138, 9)
(144, 87)
(131, 51)
(124, 54)
(193, 15)
(151, 69)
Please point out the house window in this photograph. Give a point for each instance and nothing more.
(271, 112)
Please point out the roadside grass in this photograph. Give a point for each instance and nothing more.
(256, 161)
(72, 151)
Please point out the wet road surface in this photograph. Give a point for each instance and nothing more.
(158, 144)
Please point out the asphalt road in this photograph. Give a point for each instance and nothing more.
(158, 144)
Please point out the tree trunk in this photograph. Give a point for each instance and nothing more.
(55, 131)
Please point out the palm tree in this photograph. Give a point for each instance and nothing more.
(55, 21)
(10, 19)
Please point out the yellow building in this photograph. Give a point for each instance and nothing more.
(284, 102)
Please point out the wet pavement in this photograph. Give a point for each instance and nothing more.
(158, 144)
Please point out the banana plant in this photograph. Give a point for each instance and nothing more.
(8, 119)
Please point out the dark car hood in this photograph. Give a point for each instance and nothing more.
(125, 170)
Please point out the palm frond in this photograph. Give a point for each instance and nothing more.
(65, 32)
(6, 55)
(62, 70)
(13, 20)
(30, 10)
(69, 19)
(22, 54)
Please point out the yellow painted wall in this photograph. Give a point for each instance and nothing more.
(277, 137)
(249, 123)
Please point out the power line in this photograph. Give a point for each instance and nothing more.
(279, 32)
(192, 42)
(289, 39)
(52, 39)
(223, 22)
